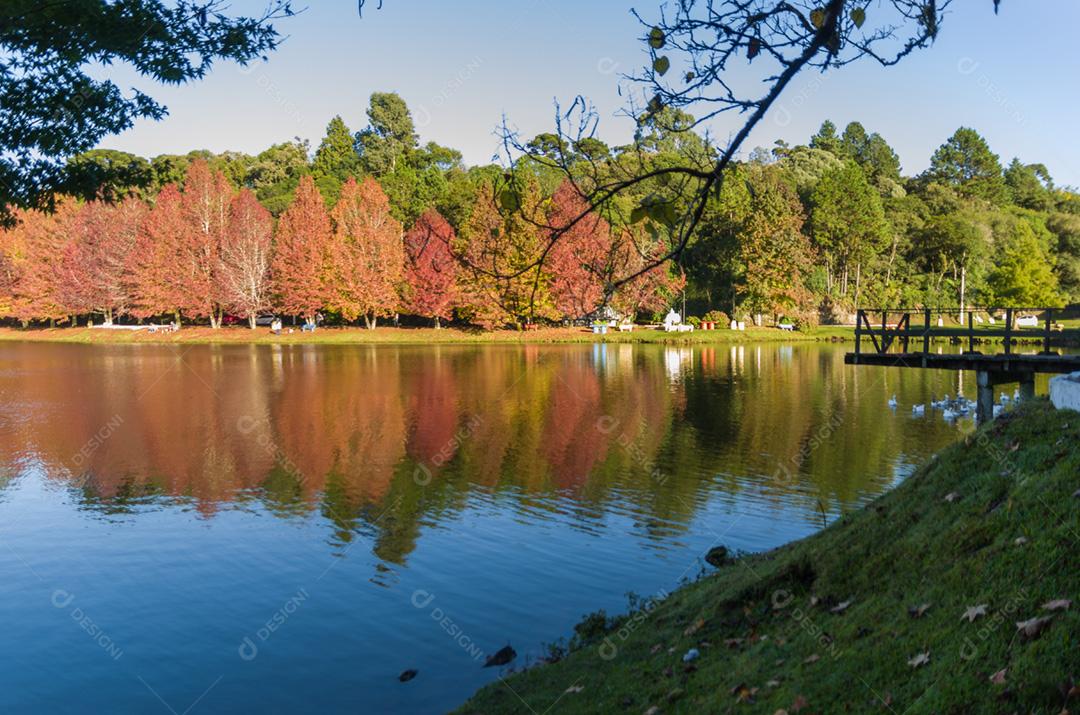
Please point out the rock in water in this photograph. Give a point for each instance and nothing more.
(408, 675)
(717, 556)
(502, 657)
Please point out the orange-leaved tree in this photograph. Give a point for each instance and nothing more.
(299, 267)
(367, 256)
(206, 200)
(94, 269)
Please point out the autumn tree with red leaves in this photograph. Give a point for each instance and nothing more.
(367, 255)
(655, 289)
(431, 271)
(244, 266)
(206, 200)
(300, 263)
(153, 264)
(38, 243)
(577, 261)
(94, 269)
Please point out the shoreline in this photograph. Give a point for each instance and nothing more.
(418, 336)
(887, 596)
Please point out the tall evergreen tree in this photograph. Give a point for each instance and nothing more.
(335, 160)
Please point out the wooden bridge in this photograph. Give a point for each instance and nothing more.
(891, 333)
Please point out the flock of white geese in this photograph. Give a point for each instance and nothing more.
(953, 408)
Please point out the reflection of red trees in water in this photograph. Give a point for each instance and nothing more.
(211, 423)
(572, 442)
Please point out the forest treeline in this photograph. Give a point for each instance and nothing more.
(372, 224)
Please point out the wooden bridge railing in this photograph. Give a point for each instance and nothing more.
(885, 335)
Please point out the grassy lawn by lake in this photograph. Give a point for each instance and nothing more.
(955, 593)
(419, 336)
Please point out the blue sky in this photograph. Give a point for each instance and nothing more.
(462, 65)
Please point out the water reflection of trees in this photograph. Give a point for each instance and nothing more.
(383, 441)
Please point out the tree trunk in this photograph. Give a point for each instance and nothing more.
(108, 316)
(370, 321)
(963, 290)
(858, 283)
(251, 321)
(437, 323)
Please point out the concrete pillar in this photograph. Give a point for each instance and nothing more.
(984, 407)
(1027, 387)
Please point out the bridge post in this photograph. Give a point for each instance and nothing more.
(984, 404)
(1027, 387)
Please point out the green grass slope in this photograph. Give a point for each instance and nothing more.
(868, 615)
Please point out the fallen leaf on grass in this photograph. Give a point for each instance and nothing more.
(812, 658)
(919, 660)
(653, 711)
(951, 497)
(656, 648)
(799, 704)
(918, 611)
(772, 684)
(694, 627)
(1032, 627)
(733, 642)
(974, 612)
(1015, 446)
(1060, 604)
(1020, 540)
(998, 678)
(781, 711)
(841, 607)
(574, 689)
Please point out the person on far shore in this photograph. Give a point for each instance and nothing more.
(275, 326)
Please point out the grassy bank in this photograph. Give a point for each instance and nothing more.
(867, 615)
(417, 336)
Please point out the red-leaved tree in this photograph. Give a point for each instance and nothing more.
(153, 266)
(244, 267)
(300, 263)
(578, 259)
(94, 270)
(206, 200)
(431, 271)
(655, 289)
(39, 242)
(367, 256)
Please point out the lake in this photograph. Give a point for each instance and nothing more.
(288, 528)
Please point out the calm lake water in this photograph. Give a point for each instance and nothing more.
(286, 529)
